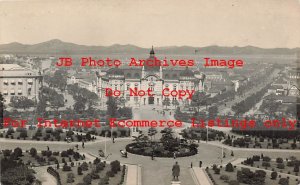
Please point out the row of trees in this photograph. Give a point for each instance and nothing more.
(245, 105)
(58, 80)
(83, 98)
(49, 97)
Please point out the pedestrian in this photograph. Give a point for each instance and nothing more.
(82, 144)
(113, 139)
(174, 155)
(48, 148)
(262, 155)
(152, 156)
(200, 164)
(191, 164)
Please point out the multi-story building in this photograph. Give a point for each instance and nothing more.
(155, 78)
(19, 81)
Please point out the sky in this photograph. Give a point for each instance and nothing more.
(261, 23)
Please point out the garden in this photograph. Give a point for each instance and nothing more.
(95, 173)
(262, 142)
(166, 146)
(238, 175)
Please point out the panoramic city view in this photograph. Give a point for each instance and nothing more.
(148, 107)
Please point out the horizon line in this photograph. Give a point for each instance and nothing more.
(150, 45)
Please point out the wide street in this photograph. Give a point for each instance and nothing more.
(157, 171)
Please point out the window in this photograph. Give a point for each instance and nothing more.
(13, 82)
(30, 81)
(12, 92)
(5, 82)
(136, 99)
(136, 75)
(19, 92)
(20, 82)
(5, 92)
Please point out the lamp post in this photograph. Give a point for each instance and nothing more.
(105, 144)
(207, 133)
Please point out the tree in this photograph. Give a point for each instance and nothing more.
(166, 102)
(198, 100)
(87, 179)
(274, 175)
(21, 175)
(18, 152)
(213, 111)
(111, 107)
(79, 170)
(229, 167)
(152, 132)
(59, 79)
(71, 177)
(79, 105)
(57, 101)
(175, 102)
(283, 181)
(21, 102)
(33, 152)
(296, 168)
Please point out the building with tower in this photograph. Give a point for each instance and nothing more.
(155, 78)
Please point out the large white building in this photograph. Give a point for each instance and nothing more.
(154, 78)
(16, 80)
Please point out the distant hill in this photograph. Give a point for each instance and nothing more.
(59, 47)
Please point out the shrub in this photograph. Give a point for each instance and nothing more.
(79, 170)
(67, 168)
(280, 166)
(266, 159)
(266, 164)
(229, 167)
(33, 152)
(283, 181)
(217, 170)
(296, 168)
(110, 174)
(274, 175)
(71, 177)
(18, 152)
(115, 166)
(84, 166)
(256, 158)
(279, 160)
(87, 179)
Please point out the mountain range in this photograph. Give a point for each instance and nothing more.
(58, 47)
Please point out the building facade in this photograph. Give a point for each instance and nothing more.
(155, 78)
(16, 80)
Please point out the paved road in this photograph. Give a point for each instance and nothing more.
(156, 171)
(225, 109)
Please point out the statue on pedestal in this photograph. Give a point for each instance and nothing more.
(176, 171)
